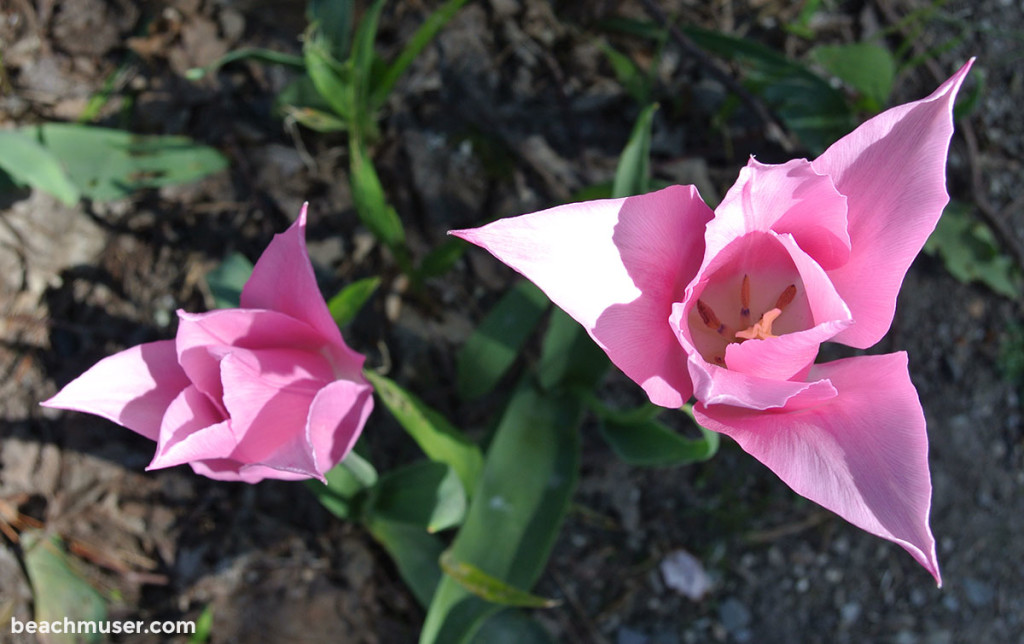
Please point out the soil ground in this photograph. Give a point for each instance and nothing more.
(514, 108)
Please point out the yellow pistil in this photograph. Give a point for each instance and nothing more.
(762, 329)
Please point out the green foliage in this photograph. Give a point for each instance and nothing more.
(58, 590)
(415, 553)
(810, 107)
(490, 588)
(107, 164)
(633, 174)
(511, 626)
(868, 68)
(568, 357)
(516, 512)
(438, 438)
(227, 280)
(638, 438)
(204, 627)
(29, 163)
(351, 299)
(71, 161)
(346, 483)
(426, 494)
(971, 253)
(496, 343)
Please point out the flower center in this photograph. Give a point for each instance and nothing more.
(759, 330)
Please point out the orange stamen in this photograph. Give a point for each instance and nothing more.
(709, 318)
(786, 297)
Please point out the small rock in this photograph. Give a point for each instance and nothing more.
(684, 573)
(978, 592)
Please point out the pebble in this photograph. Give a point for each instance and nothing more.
(978, 592)
(734, 615)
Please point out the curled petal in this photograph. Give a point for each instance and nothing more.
(616, 266)
(892, 170)
(862, 455)
(193, 429)
(283, 281)
(336, 418)
(132, 388)
(789, 198)
(720, 387)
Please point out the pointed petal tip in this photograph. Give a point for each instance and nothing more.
(302, 214)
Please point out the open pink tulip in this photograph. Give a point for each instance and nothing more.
(269, 390)
(731, 306)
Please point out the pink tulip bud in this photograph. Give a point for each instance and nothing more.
(268, 390)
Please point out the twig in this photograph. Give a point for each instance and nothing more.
(776, 130)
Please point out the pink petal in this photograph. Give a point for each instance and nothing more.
(193, 429)
(714, 385)
(892, 170)
(863, 455)
(228, 470)
(782, 357)
(132, 388)
(283, 281)
(205, 338)
(336, 418)
(268, 395)
(616, 266)
(789, 198)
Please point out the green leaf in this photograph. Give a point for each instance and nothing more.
(496, 343)
(490, 588)
(204, 627)
(633, 79)
(368, 195)
(568, 356)
(331, 78)
(441, 259)
(967, 101)
(427, 494)
(247, 53)
(512, 626)
(438, 438)
(314, 119)
(363, 57)
(58, 591)
(227, 280)
(426, 33)
(350, 300)
(866, 67)
(633, 174)
(970, 251)
(333, 18)
(29, 163)
(346, 482)
(414, 552)
(811, 108)
(516, 512)
(111, 164)
(650, 443)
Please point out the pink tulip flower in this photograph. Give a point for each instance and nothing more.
(731, 306)
(269, 390)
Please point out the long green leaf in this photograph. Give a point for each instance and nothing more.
(414, 552)
(426, 33)
(512, 626)
(427, 494)
(493, 347)
(568, 356)
(491, 588)
(368, 195)
(247, 53)
(516, 512)
(111, 164)
(438, 438)
(350, 300)
(29, 163)
(633, 174)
